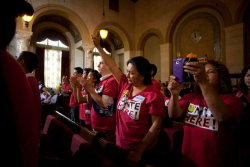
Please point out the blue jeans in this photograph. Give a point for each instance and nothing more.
(74, 114)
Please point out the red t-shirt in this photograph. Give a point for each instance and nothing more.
(133, 114)
(156, 84)
(72, 101)
(22, 107)
(82, 110)
(206, 141)
(104, 119)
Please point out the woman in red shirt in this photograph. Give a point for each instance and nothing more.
(140, 108)
(210, 115)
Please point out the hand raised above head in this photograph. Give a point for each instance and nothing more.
(197, 70)
(96, 40)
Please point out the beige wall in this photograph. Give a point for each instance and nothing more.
(135, 21)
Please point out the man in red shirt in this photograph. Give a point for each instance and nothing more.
(74, 106)
(104, 103)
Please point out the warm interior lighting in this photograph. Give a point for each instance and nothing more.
(103, 33)
(27, 19)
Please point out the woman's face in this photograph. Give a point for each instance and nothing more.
(133, 76)
(91, 77)
(247, 78)
(212, 74)
(85, 75)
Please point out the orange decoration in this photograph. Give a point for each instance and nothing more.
(192, 55)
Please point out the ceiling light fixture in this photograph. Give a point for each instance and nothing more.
(103, 33)
(27, 19)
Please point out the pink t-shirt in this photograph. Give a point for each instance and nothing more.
(82, 110)
(156, 84)
(133, 114)
(104, 119)
(206, 141)
(72, 101)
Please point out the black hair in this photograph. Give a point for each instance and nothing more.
(96, 75)
(242, 86)
(87, 70)
(153, 69)
(79, 70)
(30, 59)
(142, 65)
(10, 10)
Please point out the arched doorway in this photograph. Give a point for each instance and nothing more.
(56, 28)
(53, 52)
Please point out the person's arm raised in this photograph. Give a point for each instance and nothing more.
(174, 110)
(219, 109)
(107, 59)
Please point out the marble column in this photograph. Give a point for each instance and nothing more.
(22, 41)
(89, 57)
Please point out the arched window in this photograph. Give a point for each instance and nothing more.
(52, 61)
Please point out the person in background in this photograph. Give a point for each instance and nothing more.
(244, 94)
(156, 83)
(19, 126)
(74, 106)
(29, 61)
(244, 87)
(40, 84)
(80, 94)
(104, 96)
(140, 109)
(84, 98)
(210, 115)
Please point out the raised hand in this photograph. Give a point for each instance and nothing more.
(74, 81)
(173, 86)
(96, 40)
(197, 70)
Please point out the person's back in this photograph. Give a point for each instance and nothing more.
(155, 83)
(29, 61)
(20, 141)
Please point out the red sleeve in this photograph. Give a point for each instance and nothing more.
(111, 88)
(156, 102)
(66, 87)
(234, 104)
(122, 82)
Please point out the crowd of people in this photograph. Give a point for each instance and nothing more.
(127, 109)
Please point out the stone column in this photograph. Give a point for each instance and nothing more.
(22, 41)
(166, 61)
(89, 57)
(234, 48)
